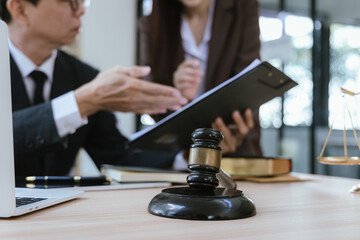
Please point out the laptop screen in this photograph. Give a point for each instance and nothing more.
(7, 175)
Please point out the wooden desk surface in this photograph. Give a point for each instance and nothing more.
(321, 208)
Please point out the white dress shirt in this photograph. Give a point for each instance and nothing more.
(65, 109)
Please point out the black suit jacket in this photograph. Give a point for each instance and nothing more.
(38, 148)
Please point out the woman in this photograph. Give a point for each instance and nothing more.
(195, 45)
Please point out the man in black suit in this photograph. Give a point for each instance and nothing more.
(61, 104)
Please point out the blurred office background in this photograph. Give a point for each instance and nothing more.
(315, 42)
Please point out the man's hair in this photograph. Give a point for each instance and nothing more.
(4, 13)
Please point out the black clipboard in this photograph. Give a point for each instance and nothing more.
(254, 86)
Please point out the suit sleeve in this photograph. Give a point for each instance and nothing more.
(34, 129)
(248, 51)
(144, 36)
(104, 142)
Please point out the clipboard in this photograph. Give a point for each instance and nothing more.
(255, 85)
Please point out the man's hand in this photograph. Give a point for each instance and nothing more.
(119, 89)
(187, 78)
(234, 134)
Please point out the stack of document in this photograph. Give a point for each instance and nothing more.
(139, 174)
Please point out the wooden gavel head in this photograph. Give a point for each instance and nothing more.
(204, 158)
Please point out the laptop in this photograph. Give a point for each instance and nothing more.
(17, 201)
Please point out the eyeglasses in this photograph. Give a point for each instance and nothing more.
(76, 3)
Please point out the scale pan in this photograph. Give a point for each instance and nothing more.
(340, 160)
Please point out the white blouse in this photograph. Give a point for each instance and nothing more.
(201, 51)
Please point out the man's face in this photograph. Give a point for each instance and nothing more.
(53, 22)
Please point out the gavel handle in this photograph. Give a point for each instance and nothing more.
(226, 180)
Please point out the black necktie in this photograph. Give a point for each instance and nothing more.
(39, 79)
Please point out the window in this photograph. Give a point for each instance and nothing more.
(344, 72)
(286, 43)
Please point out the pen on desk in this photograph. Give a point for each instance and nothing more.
(75, 180)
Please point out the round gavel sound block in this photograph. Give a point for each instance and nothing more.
(202, 200)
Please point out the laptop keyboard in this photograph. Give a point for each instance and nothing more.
(21, 201)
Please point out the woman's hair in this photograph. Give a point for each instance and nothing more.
(165, 36)
(4, 13)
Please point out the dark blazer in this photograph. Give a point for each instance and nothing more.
(38, 148)
(234, 45)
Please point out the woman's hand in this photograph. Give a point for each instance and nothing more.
(187, 78)
(234, 134)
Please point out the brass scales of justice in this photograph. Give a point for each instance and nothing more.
(343, 160)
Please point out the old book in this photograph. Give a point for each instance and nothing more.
(288, 177)
(142, 174)
(256, 166)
